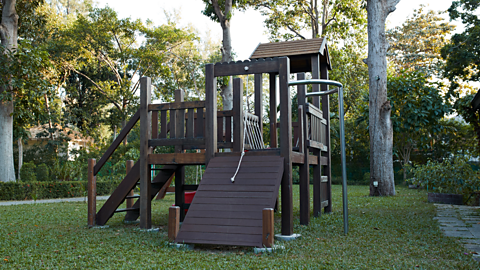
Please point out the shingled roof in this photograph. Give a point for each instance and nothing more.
(296, 50)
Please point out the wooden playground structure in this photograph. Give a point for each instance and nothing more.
(228, 209)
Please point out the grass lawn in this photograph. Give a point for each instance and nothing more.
(385, 233)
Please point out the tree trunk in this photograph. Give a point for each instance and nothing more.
(8, 34)
(381, 130)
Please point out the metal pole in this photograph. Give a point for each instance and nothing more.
(342, 134)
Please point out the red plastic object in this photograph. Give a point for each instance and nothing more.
(188, 198)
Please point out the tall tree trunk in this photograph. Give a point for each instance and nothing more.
(224, 18)
(381, 130)
(8, 34)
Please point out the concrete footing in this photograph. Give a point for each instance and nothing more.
(291, 237)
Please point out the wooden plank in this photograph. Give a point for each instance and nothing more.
(251, 215)
(317, 171)
(273, 111)
(261, 153)
(230, 187)
(131, 123)
(315, 62)
(317, 145)
(197, 142)
(220, 129)
(238, 132)
(176, 106)
(312, 160)
(323, 160)
(173, 124)
(245, 168)
(225, 242)
(223, 207)
(210, 113)
(311, 109)
(259, 99)
(228, 129)
(129, 165)
(286, 146)
(228, 113)
(231, 194)
(199, 124)
(227, 237)
(190, 123)
(177, 158)
(246, 67)
(92, 193)
(155, 124)
(222, 222)
(173, 222)
(163, 124)
(304, 169)
(221, 229)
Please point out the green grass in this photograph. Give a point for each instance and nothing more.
(385, 233)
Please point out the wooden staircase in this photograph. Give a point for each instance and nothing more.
(121, 193)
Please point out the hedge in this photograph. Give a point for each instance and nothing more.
(12, 191)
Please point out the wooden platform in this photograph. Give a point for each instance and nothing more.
(226, 213)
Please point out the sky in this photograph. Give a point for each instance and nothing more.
(246, 27)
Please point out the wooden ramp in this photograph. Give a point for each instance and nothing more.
(226, 213)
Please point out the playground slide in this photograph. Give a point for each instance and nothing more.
(230, 213)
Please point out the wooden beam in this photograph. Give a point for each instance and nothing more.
(246, 67)
(175, 105)
(273, 111)
(326, 113)
(210, 113)
(259, 99)
(238, 127)
(286, 146)
(315, 60)
(173, 222)
(268, 228)
(177, 159)
(92, 193)
(145, 121)
(199, 142)
(129, 166)
(304, 169)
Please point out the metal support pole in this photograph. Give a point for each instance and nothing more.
(342, 134)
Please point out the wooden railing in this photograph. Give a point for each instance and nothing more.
(317, 125)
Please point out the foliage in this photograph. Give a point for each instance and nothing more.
(27, 173)
(454, 138)
(43, 173)
(416, 44)
(64, 240)
(463, 106)
(450, 176)
(289, 19)
(50, 190)
(462, 52)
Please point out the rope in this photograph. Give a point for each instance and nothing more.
(254, 137)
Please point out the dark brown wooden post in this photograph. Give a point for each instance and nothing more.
(268, 227)
(180, 171)
(316, 75)
(173, 222)
(326, 114)
(92, 193)
(304, 168)
(259, 99)
(145, 129)
(129, 165)
(286, 146)
(273, 111)
(210, 113)
(317, 185)
(238, 127)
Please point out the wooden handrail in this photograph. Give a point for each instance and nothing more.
(131, 123)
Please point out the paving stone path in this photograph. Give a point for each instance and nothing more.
(463, 222)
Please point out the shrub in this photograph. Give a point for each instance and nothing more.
(27, 173)
(43, 173)
(450, 176)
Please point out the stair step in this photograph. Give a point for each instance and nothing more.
(126, 210)
(132, 197)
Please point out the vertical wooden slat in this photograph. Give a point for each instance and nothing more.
(228, 128)
(286, 146)
(129, 165)
(190, 122)
(173, 124)
(180, 171)
(200, 124)
(210, 113)
(154, 124)
(163, 124)
(259, 99)
(180, 116)
(173, 222)
(317, 178)
(326, 114)
(273, 111)
(268, 231)
(304, 168)
(315, 75)
(238, 127)
(145, 121)
(92, 193)
(220, 129)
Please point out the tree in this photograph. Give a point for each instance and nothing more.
(380, 126)
(462, 52)
(221, 11)
(417, 111)
(417, 43)
(8, 35)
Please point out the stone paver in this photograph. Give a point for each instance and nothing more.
(462, 222)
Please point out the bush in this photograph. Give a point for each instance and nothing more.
(10, 191)
(27, 173)
(43, 173)
(450, 176)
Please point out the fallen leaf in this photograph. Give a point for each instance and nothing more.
(375, 228)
